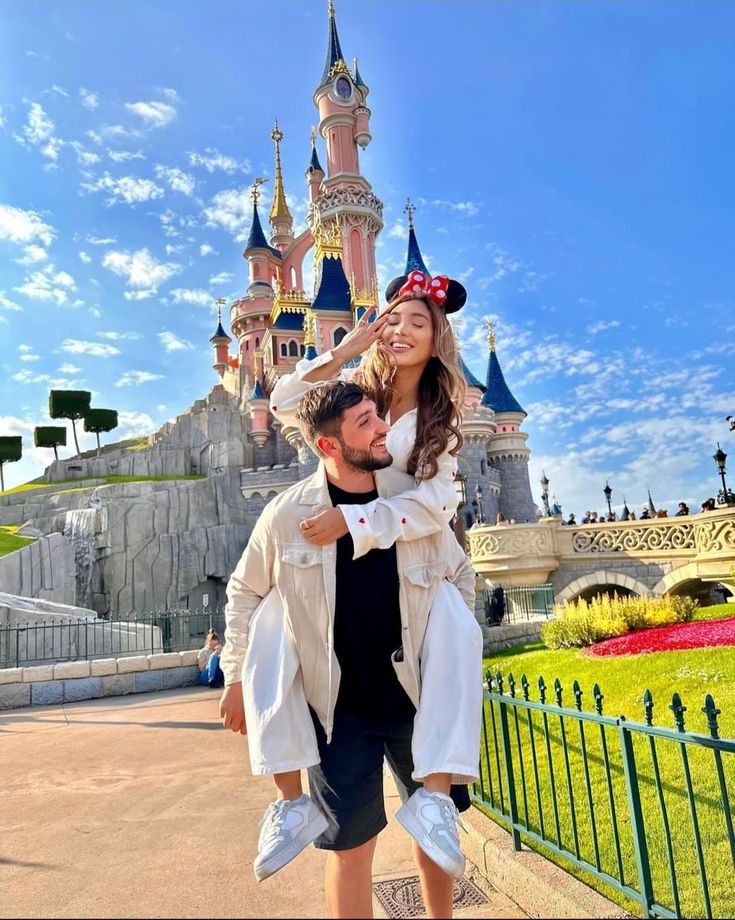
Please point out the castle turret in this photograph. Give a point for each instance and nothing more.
(221, 342)
(362, 114)
(280, 216)
(508, 452)
(414, 259)
(258, 405)
(314, 171)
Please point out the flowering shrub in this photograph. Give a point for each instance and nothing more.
(583, 623)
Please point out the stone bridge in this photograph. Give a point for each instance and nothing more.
(686, 555)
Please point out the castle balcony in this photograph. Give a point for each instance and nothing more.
(657, 556)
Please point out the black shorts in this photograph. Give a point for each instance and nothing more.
(347, 784)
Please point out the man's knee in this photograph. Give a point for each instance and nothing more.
(355, 856)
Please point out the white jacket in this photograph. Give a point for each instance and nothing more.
(278, 555)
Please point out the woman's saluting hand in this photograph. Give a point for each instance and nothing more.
(361, 336)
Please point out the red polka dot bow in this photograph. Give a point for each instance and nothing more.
(425, 286)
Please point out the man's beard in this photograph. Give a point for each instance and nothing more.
(363, 460)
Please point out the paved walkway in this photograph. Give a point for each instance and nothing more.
(143, 806)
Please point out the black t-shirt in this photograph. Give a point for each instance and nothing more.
(367, 625)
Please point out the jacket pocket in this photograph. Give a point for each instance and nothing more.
(302, 569)
(424, 575)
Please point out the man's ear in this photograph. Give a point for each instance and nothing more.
(328, 446)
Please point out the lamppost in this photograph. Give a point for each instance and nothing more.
(545, 495)
(608, 493)
(478, 496)
(725, 497)
(460, 487)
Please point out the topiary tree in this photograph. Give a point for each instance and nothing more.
(97, 420)
(71, 404)
(49, 436)
(11, 450)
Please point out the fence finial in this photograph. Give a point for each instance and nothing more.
(577, 691)
(557, 691)
(488, 680)
(542, 689)
(512, 684)
(499, 681)
(598, 695)
(711, 711)
(678, 708)
(524, 686)
(648, 707)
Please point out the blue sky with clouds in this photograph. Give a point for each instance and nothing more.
(571, 163)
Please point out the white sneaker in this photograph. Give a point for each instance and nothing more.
(431, 818)
(287, 827)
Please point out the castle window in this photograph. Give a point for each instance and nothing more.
(339, 334)
(293, 278)
(284, 350)
(293, 349)
(483, 467)
(247, 345)
(303, 350)
(257, 341)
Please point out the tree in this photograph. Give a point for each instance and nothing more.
(49, 436)
(11, 450)
(97, 420)
(71, 404)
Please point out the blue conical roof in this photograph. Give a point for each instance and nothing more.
(257, 391)
(334, 289)
(310, 353)
(220, 333)
(414, 260)
(334, 50)
(497, 395)
(314, 164)
(256, 237)
(358, 79)
(472, 381)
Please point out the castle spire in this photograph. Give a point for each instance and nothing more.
(334, 50)
(256, 237)
(498, 395)
(414, 260)
(314, 164)
(279, 210)
(358, 79)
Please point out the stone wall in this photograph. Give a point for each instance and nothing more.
(73, 681)
(508, 635)
(43, 569)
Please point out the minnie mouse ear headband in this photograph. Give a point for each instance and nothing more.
(444, 292)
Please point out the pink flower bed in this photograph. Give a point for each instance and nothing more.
(669, 638)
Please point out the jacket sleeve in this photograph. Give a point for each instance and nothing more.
(248, 585)
(291, 387)
(421, 511)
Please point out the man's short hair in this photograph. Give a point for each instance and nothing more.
(321, 409)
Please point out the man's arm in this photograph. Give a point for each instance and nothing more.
(248, 585)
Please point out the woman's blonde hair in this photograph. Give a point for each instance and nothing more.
(441, 392)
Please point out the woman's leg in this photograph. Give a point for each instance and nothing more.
(446, 740)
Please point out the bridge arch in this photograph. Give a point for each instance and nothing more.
(601, 579)
(687, 580)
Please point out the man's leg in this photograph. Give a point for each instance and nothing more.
(437, 888)
(348, 881)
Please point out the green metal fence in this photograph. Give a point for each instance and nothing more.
(643, 808)
(36, 643)
(518, 603)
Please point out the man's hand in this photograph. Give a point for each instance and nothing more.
(232, 709)
(325, 527)
(361, 336)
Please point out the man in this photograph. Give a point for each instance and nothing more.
(358, 625)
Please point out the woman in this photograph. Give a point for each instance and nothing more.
(410, 370)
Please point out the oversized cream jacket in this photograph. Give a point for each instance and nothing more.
(305, 575)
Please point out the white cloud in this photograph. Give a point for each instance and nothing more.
(230, 210)
(154, 114)
(95, 349)
(71, 369)
(101, 240)
(222, 278)
(122, 156)
(140, 268)
(19, 226)
(399, 230)
(177, 179)
(187, 295)
(119, 336)
(59, 90)
(27, 376)
(140, 295)
(6, 304)
(3, 120)
(89, 99)
(84, 157)
(85, 257)
(39, 132)
(48, 284)
(206, 250)
(172, 342)
(213, 160)
(127, 189)
(601, 326)
(27, 353)
(136, 378)
(41, 55)
(134, 424)
(33, 255)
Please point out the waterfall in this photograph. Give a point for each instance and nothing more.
(80, 526)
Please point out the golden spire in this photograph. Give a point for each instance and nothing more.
(490, 325)
(220, 303)
(279, 211)
(409, 209)
(331, 9)
(309, 337)
(255, 190)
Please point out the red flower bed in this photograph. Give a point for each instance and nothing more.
(669, 638)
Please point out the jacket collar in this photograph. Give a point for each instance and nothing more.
(316, 491)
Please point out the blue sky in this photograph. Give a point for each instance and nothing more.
(571, 163)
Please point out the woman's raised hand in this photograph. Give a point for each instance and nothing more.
(362, 336)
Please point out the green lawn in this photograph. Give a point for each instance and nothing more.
(10, 541)
(623, 681)
(108, 480)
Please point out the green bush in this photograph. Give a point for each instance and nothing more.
(583, 623)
